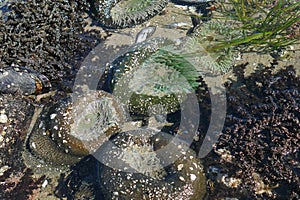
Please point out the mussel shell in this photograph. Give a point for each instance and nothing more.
(191, 2)
(24, 80)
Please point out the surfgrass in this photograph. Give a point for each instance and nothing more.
(263, 24)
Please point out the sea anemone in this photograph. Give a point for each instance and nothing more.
(152, 72)
(208, 37)
(140, 172)
(125, 13)
(69, 130)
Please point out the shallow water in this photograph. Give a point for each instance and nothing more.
(240, 129)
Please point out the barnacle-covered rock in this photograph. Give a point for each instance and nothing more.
(69, 130)
(142, 164)
(125, 13)
(152, 73)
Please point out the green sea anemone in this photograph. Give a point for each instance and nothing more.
(208, 36)
(125, 13)
(68, 130)
(141, 172)
(152, 73)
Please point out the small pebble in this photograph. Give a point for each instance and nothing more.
(193, 177)
(182, 179)
(179, 167)
(3, 117)
(3, 169)
(52, 116)
(116, 193)
(45, 183)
